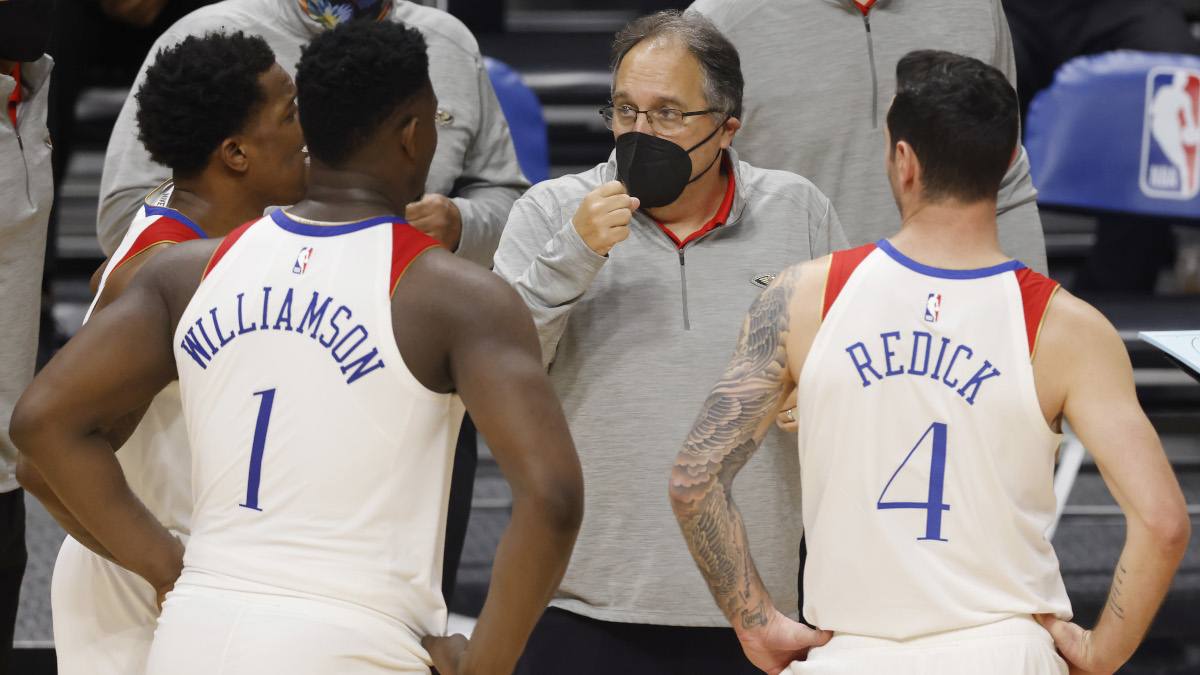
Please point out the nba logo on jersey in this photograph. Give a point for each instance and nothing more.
(302, 260)
(1170, 166)
(933, 306)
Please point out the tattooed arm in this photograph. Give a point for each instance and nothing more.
(730, 428)
(1082, 362)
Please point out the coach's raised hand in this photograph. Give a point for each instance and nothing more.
(603, 217)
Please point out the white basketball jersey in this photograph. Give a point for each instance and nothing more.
(155, 459)
(926, 462)
(321, 466)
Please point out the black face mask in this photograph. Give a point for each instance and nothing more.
(655, 170)
(25, 29)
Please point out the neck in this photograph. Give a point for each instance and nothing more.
(7, 67)
(340, 195)
(951, 235)
(217, 206)
(698, 203)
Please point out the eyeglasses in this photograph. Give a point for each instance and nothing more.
(662, 120)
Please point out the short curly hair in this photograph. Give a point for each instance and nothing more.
(351, 78)
(198, 93)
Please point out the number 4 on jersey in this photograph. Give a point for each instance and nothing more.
(934, 505)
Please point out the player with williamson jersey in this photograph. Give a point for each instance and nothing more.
(933, 375)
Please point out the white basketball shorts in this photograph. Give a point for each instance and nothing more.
(204, 631)
(104, 615)
(1014, 645)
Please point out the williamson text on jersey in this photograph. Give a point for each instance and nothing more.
(336, 333)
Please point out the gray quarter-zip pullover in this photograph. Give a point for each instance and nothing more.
(26, 192)
(634, 342)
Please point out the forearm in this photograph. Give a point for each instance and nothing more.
(484, 210)
(1140, 582)
(33, 483)
(550, 280)
(529, 564)
(88, 480)
(716, 536)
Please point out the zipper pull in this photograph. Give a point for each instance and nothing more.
(867, 22)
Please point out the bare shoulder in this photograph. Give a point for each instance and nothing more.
(175, 272)
(804, 286)
(1072, 326)
(444, 308)
(454, 286)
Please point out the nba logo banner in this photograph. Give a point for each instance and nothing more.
(1170, 166)
(933, 307)
(302, 260)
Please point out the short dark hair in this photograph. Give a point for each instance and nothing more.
(198, 93)
(720, 63)
(960, 116)
(351, 79)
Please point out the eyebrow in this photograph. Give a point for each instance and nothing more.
(659, 101)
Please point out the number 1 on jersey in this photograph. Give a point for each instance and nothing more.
(937, 477)
(256, 449)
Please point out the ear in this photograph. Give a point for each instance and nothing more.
(408, 137)
(731, 127)
(233, 155)
(908, 168)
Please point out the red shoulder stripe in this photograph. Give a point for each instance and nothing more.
(841, 265)
(407, 243)
(165, 230)
(1036, 291)
(223, 248)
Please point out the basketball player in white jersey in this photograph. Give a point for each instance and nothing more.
(933, 375)
(321, 362)
(221, 114)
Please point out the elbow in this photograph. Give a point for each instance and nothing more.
(1172, 530)
(687, 490)
(24, 426)
(560, 505)
(1167, 529)
(30, 478)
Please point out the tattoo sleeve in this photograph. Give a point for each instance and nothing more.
(727, 432)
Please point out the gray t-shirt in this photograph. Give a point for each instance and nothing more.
(475, 162)
(635, 342)
(809, 105)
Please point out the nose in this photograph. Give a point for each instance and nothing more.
(642, 124)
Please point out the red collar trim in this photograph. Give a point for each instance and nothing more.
(16, 96)
(717, 220)
(863, 7)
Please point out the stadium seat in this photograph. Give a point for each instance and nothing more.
(524, 114)
(1119, 132)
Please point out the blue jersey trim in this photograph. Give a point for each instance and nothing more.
(940, 273)
(307, 230)
(175, 215)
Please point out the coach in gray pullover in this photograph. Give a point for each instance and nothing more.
(636, 310)
(818, 84)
